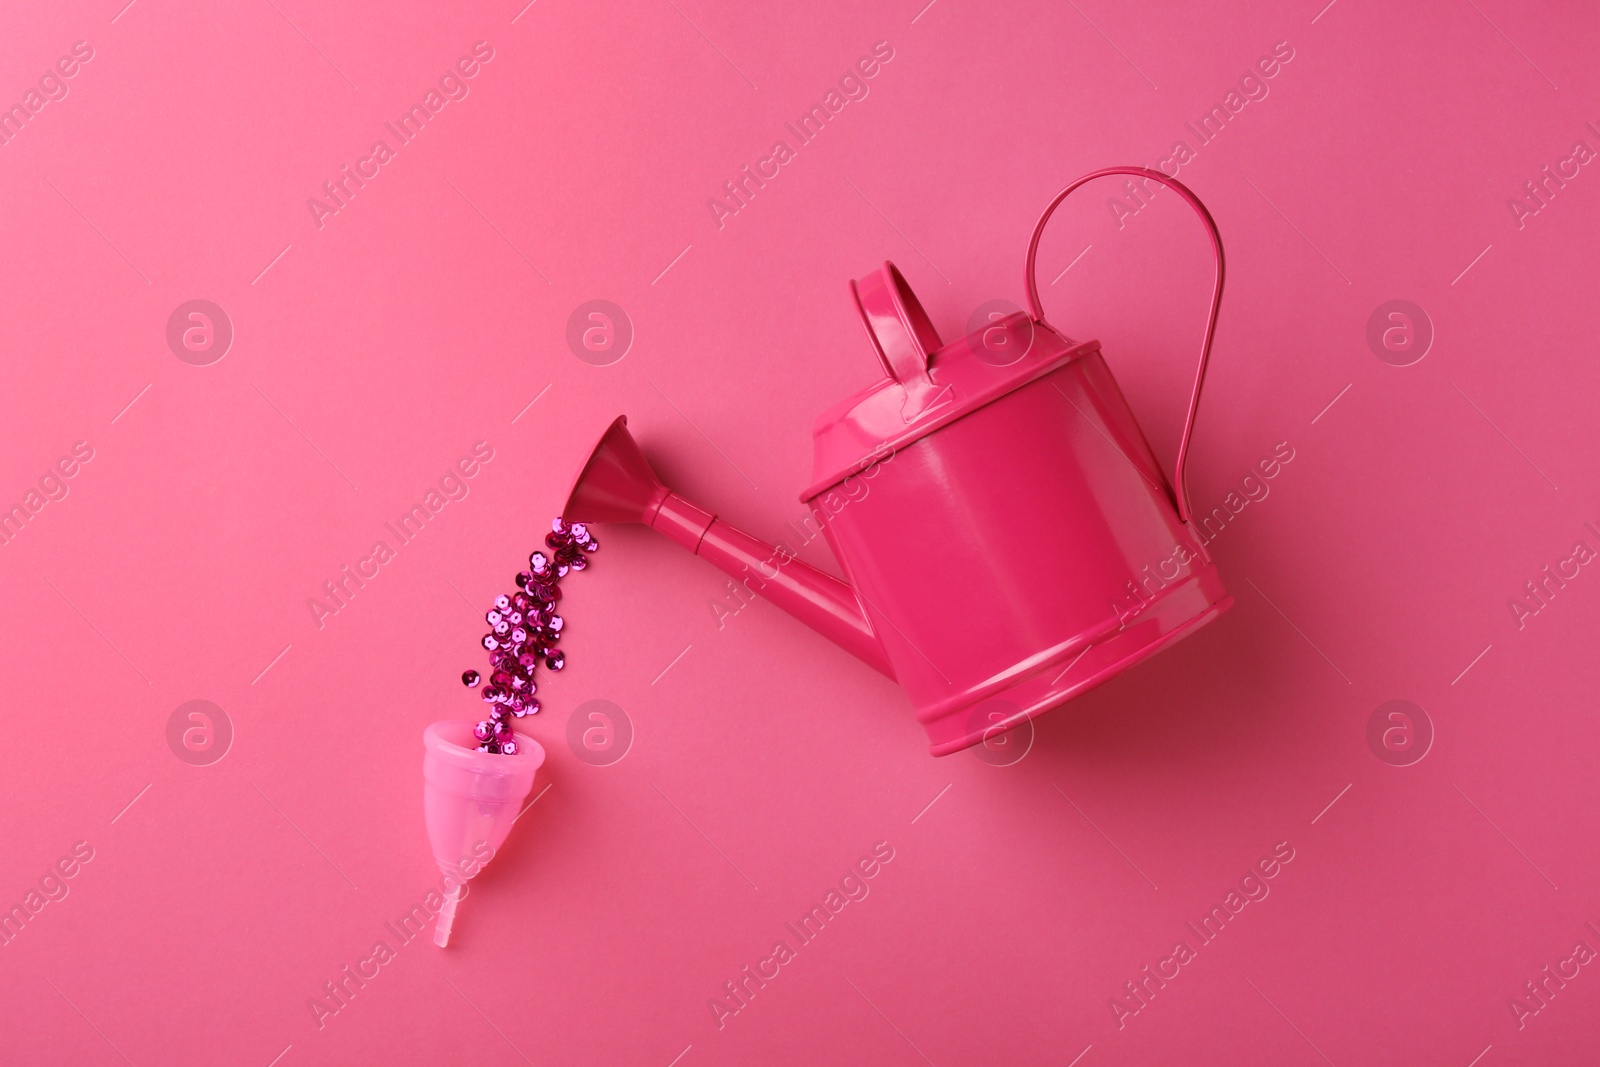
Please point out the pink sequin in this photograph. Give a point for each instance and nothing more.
(524, 630)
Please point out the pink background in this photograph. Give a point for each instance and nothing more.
(370, 354)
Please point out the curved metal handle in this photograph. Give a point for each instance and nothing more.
(1180, 491)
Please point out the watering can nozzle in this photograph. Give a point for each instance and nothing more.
(617, 484)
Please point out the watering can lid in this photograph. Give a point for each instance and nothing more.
(929, 384)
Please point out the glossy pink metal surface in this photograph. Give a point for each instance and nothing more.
(617, 484)
(1008, 537)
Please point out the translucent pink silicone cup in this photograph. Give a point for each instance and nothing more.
(469, 800)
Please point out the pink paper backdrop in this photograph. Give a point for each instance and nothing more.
(374, 346)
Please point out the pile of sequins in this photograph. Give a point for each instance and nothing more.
(523, 631)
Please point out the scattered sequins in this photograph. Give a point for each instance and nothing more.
(524, 629)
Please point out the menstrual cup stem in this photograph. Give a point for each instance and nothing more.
(446, 919)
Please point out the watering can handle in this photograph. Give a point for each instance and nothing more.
(903, 337)
(1179, 489)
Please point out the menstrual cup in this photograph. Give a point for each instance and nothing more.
(469, 800)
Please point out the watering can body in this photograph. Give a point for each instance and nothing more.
(1009, 539)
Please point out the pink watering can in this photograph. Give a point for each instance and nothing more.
(1007, 459)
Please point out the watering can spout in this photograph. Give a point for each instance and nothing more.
(617, 484)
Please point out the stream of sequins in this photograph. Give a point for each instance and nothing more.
(523, 631)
